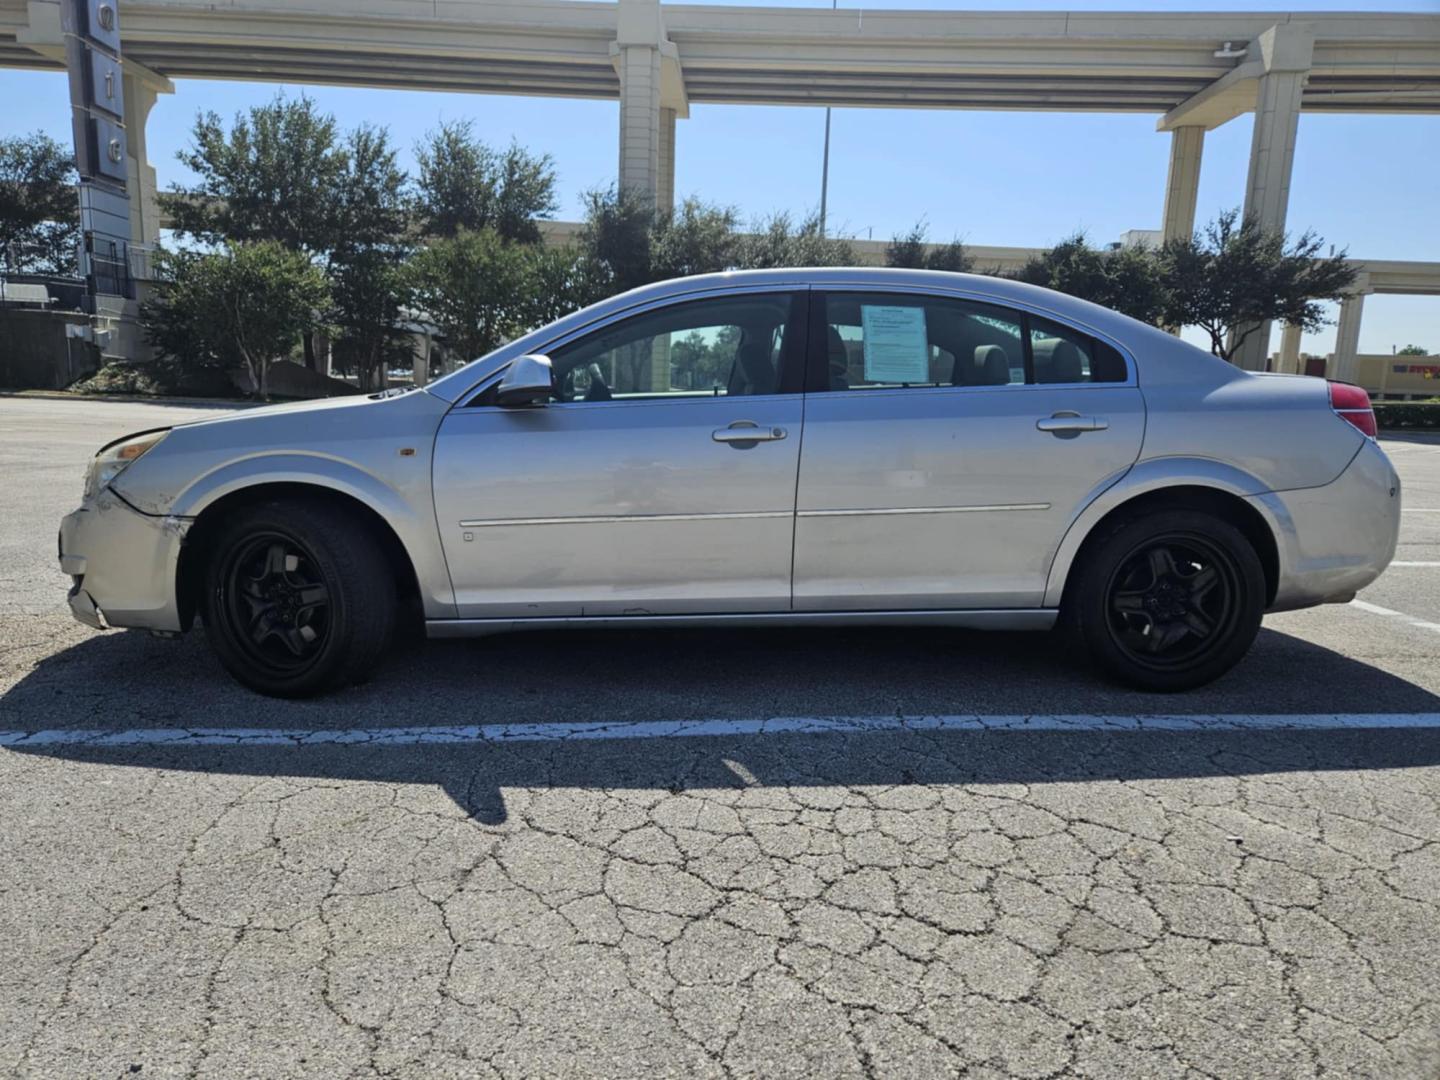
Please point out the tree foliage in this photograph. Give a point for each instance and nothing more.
(1413, 350)
(1237, 275)
(366, 264)
(39, 209)
(697, 238)
(912, 250)
(278, 173)
(243, 307)
(465, 184)
(1126, 279)
(780, 240)
(480, 289)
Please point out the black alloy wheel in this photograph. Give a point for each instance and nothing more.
(277, 601)
(1168, 599)
(1172, 599)
(300, 596)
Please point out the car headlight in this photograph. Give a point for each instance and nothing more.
(114, 459)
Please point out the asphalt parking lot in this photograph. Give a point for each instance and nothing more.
(926, 853)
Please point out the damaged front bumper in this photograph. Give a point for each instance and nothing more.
(122, 565)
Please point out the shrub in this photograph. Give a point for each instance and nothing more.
(1408, 415)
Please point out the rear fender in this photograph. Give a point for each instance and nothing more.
(1149, 476)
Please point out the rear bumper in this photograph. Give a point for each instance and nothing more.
(121, 565)
(1335, 540)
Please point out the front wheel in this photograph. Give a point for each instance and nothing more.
(299, 598)
(1169, 600)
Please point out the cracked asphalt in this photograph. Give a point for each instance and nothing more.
(897, 891)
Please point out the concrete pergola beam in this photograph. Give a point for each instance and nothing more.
(1227, 97)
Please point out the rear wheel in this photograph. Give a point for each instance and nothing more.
(299, 599)
(1169, 600)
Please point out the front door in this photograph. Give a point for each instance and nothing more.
(949, 447)
(659, 480)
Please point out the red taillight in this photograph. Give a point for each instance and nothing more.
(1352, 403)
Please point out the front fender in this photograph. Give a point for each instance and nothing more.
(1147, 476)
(407, 509)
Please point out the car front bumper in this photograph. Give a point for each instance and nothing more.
(121, 564)
(1336, 539)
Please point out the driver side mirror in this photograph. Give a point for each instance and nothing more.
(530, 381)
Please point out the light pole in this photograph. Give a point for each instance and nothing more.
(825, 161)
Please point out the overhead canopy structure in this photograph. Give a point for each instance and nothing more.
(1092, 61)
(1193, 70)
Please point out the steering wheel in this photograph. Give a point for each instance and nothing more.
(599, 388)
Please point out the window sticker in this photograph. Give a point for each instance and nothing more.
(897, 348)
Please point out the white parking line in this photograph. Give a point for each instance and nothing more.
(1389, 613)
(1417, 510)
(652, 729)
(1415, 564)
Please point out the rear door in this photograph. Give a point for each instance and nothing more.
(948, 445)
(659, 479)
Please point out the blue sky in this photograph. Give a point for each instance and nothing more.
(1366, 183)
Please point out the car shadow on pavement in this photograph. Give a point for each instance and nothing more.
(478, 776)
(128, 681)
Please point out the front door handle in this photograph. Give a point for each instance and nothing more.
(1066, 425)
(747, 432)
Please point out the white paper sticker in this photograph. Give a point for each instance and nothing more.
(897, 349)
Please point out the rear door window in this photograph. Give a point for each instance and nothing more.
(896, 341)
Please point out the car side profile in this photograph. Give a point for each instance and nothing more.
(853, 446)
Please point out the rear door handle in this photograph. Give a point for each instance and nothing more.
(747, 431)
(1070, 424)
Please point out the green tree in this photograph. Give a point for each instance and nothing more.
(39, 209)
(285, 173)
(614, 239)
(912, 251)
(465, 184)
(697, 238)
(246, 306)
(277, 174)
(1127, 279)
(1236, 275)
(1413, 350)
(365, 267)
(781, 241)
(480, 289)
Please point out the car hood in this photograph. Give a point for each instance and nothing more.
(329, 436)
(289, 408)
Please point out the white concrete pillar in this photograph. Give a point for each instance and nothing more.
(1290, 350)
(1285, 51)
(1182, 185)
(640, 119)
(665, 182)
(1347, 337)
(1272, 147)
(652, 97)
(140, 96)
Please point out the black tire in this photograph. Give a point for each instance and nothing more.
(299, 598)
(1167, 600)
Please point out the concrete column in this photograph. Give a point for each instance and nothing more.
(640, 119)
(1272, 147)
(1347, 337)
(140, 97)
(665, 184)
(652, 97)
(1290, 350)
(1285, 52)
(1182, 185)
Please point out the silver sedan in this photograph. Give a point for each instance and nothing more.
(763, 448)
